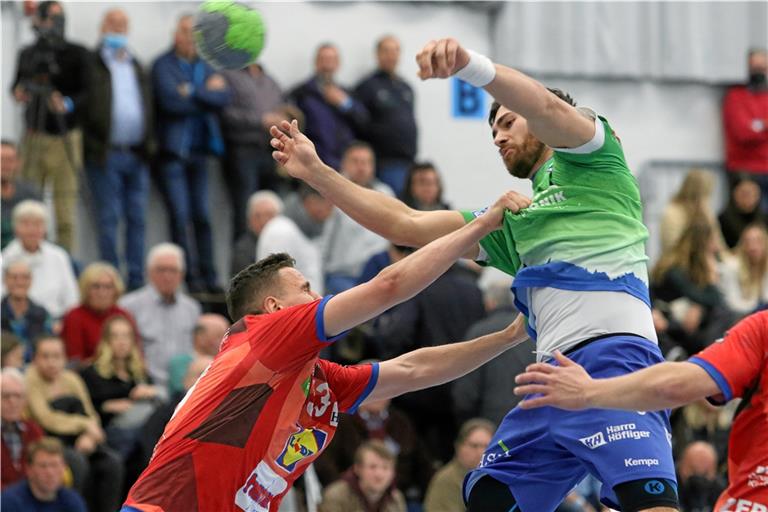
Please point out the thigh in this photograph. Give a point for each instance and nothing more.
(523, 456)
(197, 178)
(135, 182)
(173, 176)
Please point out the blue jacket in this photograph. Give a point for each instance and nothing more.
(177, 114)
(19, 498)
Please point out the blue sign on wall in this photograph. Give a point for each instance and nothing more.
(468, 101)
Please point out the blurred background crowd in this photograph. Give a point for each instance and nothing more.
(96, 352)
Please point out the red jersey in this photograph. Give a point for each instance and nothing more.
(739, 365)
(256, 418)
(745, 120)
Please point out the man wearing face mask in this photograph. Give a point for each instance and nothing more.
(51, 83)
(745, 119)
(117, 129)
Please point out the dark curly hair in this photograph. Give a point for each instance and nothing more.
(249, 287)
(557, 92)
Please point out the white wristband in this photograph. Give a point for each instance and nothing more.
(479, 71)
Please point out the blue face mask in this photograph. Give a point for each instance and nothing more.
(115, 41)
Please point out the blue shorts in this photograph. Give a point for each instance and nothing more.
(541, 454)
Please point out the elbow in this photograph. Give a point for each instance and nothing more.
(388, 285)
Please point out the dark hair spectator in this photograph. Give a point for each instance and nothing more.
(308, 209)
(43, 488)
(444, 493)
(51, 83)
(209, 332)
(369, 485)
(742, 209)
(13, 188)
(12, 351)
(423, 188)
(59, 402)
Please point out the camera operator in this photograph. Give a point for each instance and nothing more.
(51, 82)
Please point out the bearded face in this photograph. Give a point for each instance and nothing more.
(520, 159)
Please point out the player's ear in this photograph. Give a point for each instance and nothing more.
(272, 304)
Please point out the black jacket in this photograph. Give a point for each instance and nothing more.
(42, 68)
(97, 113)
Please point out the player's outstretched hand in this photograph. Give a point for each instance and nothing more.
(566, 386)
(293, 149)
(512, 201)
(441, 58)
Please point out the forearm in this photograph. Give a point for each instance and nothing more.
(377, 212)
(662, 386)
(433, 366)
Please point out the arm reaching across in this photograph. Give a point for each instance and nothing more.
(569, 386)
(404, 279)
(382, 214)
(550, 119)
(432, 366)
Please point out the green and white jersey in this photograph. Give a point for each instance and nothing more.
(578, 252)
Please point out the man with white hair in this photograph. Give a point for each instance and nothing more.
(263, 206)
(18, 432)
(53, 281)
(166, 317)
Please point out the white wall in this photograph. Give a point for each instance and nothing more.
(654, 121)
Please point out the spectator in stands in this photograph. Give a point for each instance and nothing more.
(59, 402)
(382, 260)
(51, 146)
(281, 234)
(12, 351)
(482, 393)
(692, 202)
(743, 208)
(13, 189)
(308, 209)
(444, 493)
(166, 317)
(391, 127)
(20, 315)
(369, 485)
(744, 277)
(209, 331)
(188, 94)
(698, 479)
(684, 287)
(100, 287)
(346, 244)
(333, 116)
(117, 129)
(379, 420)
(43, 489)
(424, 188)
(263, 206)
(17, 432)
(745, 123)
(120, 386)
(440, 314)
(248, 164)
(53, 281)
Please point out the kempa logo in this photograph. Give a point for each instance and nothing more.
(630, 463)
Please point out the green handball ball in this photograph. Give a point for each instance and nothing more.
(228, 35)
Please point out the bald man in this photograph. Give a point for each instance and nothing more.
(116, 144)
(209, 331)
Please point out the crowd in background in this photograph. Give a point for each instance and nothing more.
(96, 355)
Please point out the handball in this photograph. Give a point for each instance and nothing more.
(228, 35)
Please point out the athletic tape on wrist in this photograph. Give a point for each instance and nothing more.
(479, 72)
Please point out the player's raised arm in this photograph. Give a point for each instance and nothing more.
(404, 279)
(550, 119)
(380, 213)
(569, 386)
(432, 366)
